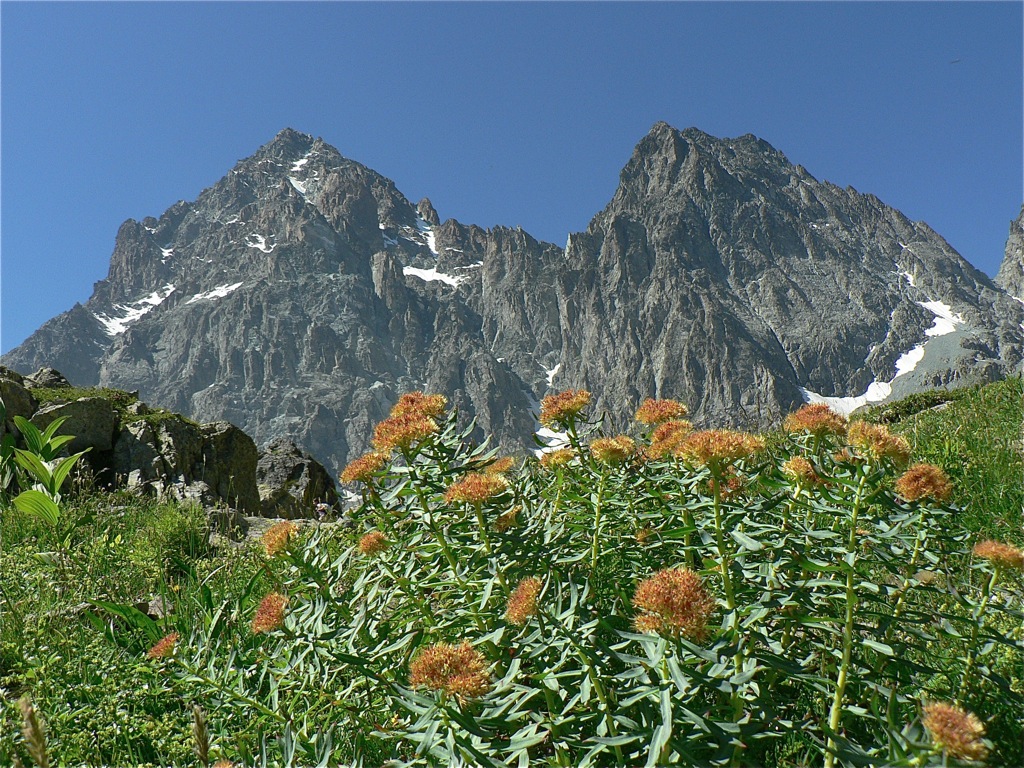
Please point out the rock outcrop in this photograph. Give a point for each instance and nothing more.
(152, 451)
(1011, 271)
(301, 294)
(291, 483)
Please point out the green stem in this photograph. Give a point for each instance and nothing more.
(594, 549)
(836, 712)
(487, 547)
(976, 626)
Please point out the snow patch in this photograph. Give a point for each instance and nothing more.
(432, 274)
(555, 440)
(428, 232)
(876, 392)
(217, 293)
(297, 165)
(259, 241)
(910, 279)
(299, 185)
(550, 373)
(166, 253)
(133, 311)
(908, 361)
(474, 265)
(945, 320)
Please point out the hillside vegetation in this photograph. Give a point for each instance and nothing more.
(825, 594)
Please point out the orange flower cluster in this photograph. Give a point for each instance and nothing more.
(522, 603)
(1000, 555)
(801, 470)
(277, 536)
(817, 419)
(457, 670)
(877, 440)
(667, 437)
(613, 450)
(501, 466)
(361, 470)
(563, 406)
(924, 481)
(164, 646)
(958, 732)
(674, 602)
(430, 406)
(402, 431)
(719, 446)
(475, 488)
(557, 458)
(270, 613)
(373, 543)
(659, 411)
(506, 520)
(411, 420)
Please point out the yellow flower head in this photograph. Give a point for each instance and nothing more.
(457, 670)
(817, 419)
(361, 470)
(674, 602)
(1000, 555)
(164, 646)
(613, 450)
(660, 411)
(501, 466)
(270, 613)
(373, 543)
(522, 603)
(506, 520)
(277, 536)
(924, 481)
(877, 440)
(958, 732)
(429, 406)
(563, 406)
(718, 446)
(800, 469)
(402, 431)
(667, 437)
(557, 458)
(475, 488)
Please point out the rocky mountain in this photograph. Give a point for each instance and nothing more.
(302, 293)
(1011, 271)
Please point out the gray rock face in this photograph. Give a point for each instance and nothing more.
(302, 293)
(291, 482)
(17, 399)
(214, 464)
(1011, 271)
(92, 420)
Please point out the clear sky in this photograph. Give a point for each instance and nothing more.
(501, 113)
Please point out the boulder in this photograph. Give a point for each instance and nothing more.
(17, 399)
(92, 420)
(228, 467)
(47, 378)
(213, 464)
(292, 483)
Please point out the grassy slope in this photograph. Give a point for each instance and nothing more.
(977, 437)
(104, 705)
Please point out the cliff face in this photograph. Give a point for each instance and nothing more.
(302, 293)
(1011, 271)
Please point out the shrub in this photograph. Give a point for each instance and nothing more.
(709, 603)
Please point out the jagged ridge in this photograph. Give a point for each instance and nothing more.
(302, 293)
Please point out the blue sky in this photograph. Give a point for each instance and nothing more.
(502, 113)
